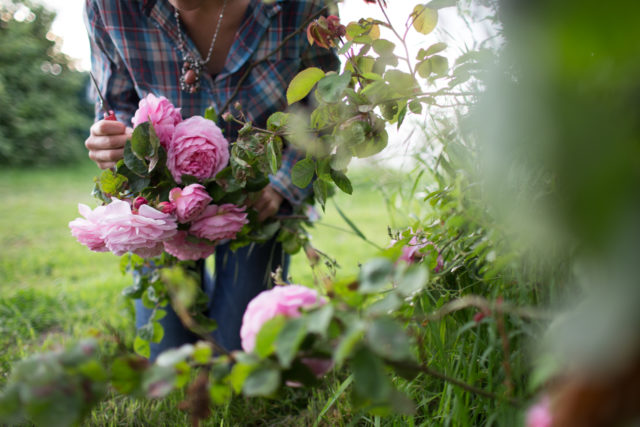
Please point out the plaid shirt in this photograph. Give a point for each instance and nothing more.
(134, 45)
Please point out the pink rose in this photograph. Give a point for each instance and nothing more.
(141, 233)
(163, 115)
(198, 149)
(190, 202)
(281, 300)
(539, 415)
(183, 249)
(219, 222)
(88, 231)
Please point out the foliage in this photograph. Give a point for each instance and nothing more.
(44, 113)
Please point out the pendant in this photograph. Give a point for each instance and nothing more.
(190, 78)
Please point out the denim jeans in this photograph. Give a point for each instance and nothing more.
(238, 277)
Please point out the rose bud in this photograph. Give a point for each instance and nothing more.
(227, 117)
(167, 207)
(139, 201)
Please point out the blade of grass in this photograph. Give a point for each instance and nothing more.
(355, 229)
(333, 399)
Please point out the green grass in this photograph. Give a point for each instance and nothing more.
(55, 290)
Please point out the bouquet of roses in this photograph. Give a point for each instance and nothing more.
(179, 189)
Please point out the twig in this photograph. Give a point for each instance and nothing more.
(275, 50)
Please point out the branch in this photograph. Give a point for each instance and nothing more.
(275, 50)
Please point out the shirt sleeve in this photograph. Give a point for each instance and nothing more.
(313, 56)
(108, 68)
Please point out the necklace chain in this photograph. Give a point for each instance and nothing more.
(191, 83)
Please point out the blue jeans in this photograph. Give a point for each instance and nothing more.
(238, 277)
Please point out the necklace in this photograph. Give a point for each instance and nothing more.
(193, 66)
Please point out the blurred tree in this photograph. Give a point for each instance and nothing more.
(44, 113)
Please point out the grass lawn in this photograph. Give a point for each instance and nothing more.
(55, 290)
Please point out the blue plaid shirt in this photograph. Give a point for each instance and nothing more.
(134, 45)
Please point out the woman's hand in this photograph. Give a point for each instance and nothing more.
(106, 142)
(267, 203)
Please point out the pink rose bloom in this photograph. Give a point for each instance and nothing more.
(281, 300)
(539, 415)
(163, 115)
(190, 201)
(219, 222)
(141, 233)
(183, 249)
(88, 230)
(197, 148)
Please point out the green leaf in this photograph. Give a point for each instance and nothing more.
(341, 181)
(318, 320)
(263, 381)
(158, 332)
(375, 275)
(425, 18)
(144, 141)
(302, 84)
(202, 352)
(142, 347)
(133, 163)
(434, 48)
(439, 65)
(383, 47)
(321, 192)
(401, 82)
(272, 156)
(277, 120)
(370, 377)
(330, 88)
(413, 280)
(239, 373)
(401, 115)
(266, 338)
(210, 114)
(389, 339)
(302, 172)
(415, 107)
(352, 336)
(289, 340)
(126, 373)
(424, 68)
(110, 182)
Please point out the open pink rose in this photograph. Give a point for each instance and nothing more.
(141, 233)
(163, 116)
(198, 148)
(88, 231)
(184, 249)
(219, 222)
(281, 300)
(189, 201)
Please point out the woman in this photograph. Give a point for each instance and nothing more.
(197, 53)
